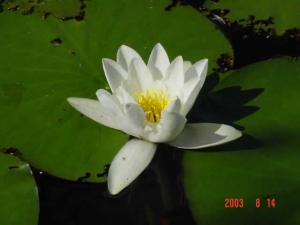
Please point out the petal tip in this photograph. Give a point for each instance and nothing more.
(158, 45)
(179, 58)
(229, 131)
(123, 46)
(238, 134)
(159, 49)
(205, 62)
(72, 100)
(113, 189)
(105, 61)
(201, 67)
(128, 164)
(99, 92)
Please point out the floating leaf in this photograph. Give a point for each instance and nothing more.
(285, 16)
(62, 9)
(46, 61)
(269, 169)
(18, 193)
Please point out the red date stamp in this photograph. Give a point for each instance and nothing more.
(234, 203)
(259, 202)
(265, 202)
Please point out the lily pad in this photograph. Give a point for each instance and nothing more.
(62, 9)
(45, 61)
(267, 170)
(18, 193)
(24, 7)
(285, 16)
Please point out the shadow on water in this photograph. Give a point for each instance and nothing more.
(66, 202)
(226, 106)
(223, 106)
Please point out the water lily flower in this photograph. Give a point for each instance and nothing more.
(150, 102)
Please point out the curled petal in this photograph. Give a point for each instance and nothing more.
(202, 135)
(129, 163)
(158, 61)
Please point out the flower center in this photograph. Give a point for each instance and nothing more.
(153, 102)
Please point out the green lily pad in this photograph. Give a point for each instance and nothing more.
(45, 61)
(269, 170)
(22, 6)
(18, 193)
(62, 9)
(286, 16)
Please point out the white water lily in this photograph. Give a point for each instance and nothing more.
(150, 102)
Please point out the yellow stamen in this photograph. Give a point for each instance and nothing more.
(153, 102)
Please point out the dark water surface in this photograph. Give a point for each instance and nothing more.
(156, 197)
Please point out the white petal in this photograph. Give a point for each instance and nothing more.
(158, 61)
(196, 70)
(156, 73)
(123, 94)
(140, 74)
(114, 73)
(201, 67)
(129, 163)
(94, 110)
(174, 106)
(186, 65)
(170, 125)
(125, 55)
(135, 117)
(192, 87)
(174, 76)
(128, 119)
(109, 102)
(202, 135)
